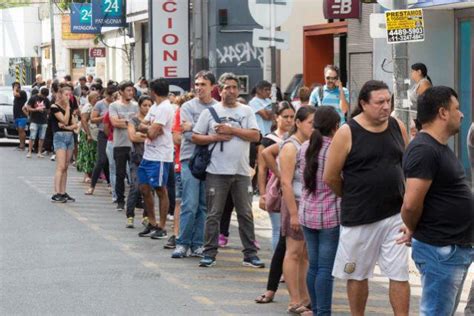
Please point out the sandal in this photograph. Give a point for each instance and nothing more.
(263, 299)
(293, 309)
(90, 191)
(303, 309)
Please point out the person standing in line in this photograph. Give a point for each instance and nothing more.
(120, 112)
(154, 168)
(63, 127)
(229, 169)
(285, 118)
(368, 146)
(193, 203)
(87, 154)
(261, 105)
(319, 210)
(19, 100)
(102, 162)
(38, 107)
(177, 138)
(295, 263)
(332, 93)
(438, 208)
(138, 139)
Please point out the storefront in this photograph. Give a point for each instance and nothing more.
(464, 24)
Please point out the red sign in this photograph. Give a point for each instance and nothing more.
(342, 9)
(98, 52)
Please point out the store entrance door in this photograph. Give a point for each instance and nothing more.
(465, 86)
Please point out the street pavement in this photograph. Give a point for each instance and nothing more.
(79, 259)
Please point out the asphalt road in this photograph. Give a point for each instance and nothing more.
(79, 259)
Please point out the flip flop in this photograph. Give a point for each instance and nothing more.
(293, 309)
(263, 299)
(89, 192)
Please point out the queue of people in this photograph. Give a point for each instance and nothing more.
(318, 171)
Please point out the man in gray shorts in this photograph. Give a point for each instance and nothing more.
(364, 167)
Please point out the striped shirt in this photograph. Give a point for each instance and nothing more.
(321, 210)
(331, 97)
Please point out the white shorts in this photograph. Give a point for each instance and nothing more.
(361, 247)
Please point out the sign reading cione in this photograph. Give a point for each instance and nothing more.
(170, 39)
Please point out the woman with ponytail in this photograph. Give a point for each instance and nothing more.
(319, 210)
(419, 75)
(295, 263)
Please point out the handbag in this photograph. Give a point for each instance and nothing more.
(273, 194)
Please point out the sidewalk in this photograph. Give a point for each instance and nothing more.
(263, 229)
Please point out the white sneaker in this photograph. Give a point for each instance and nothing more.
(40, 156)
(53, 158)
(28, 155)
(170, 217)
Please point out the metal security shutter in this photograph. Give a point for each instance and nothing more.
(360, 71)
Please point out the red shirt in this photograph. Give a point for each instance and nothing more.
(177, 129)
(106, 120)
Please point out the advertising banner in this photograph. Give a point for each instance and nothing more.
(108, 13)
(170, 41)
(405, 26)
(342, 9)
(81, 19)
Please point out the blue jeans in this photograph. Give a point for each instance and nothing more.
(322, 246)
(193, 209)
(112, 173)
(443, 271)
(275, 219)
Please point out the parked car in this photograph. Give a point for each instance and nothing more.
(291, 91)
(7, 123)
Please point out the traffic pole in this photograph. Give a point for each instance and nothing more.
(400, 72)
(53, 45)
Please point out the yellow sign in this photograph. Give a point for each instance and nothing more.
(66, 30)
(405, 26)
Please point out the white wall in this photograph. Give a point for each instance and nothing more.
(20, 32)
(305, 12)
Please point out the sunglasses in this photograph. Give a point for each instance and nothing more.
(331, 78)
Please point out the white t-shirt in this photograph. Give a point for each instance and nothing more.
(161, 148)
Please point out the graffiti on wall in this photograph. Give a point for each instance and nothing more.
(239, 54)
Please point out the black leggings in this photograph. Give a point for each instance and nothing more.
(102, 163)
(171, 190)
(276, 266)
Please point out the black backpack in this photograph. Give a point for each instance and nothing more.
(202, 154)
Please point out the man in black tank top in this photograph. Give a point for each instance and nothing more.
(438, 204)
(364, 167)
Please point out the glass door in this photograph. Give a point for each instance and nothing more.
(465, 88)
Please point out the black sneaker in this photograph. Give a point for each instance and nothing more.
(207, 262)
(159, 234)
(253, 262)
(69, 198)
(58, 198)
(120, 206)
(148, 231)
(171, 244)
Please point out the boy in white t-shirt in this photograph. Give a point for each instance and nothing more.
(157, 158)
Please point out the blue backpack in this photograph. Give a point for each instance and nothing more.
(201, 157)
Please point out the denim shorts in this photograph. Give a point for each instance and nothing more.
(153, 173)
(37, 130)
(63, 140)
(21, 122)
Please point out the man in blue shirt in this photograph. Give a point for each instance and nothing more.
(261, 106)
(332, 94)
